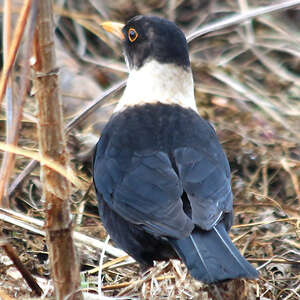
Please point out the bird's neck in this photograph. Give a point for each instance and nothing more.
(156, 82)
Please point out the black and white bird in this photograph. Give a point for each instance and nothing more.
(162, 179)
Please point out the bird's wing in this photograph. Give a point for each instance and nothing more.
(144, 189)
(205, 176)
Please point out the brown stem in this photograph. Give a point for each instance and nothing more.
(19, 265)
(14, 109)
(56, 188)
(14, 47)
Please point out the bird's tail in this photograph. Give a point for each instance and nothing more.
(211, 256)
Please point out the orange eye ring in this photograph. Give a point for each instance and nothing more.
(132, 35)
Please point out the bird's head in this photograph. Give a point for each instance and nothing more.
(156, 53)
(148, 38)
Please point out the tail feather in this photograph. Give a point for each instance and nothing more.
(212, 257)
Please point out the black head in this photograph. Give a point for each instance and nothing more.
(148, 37)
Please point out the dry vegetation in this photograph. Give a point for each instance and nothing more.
(247, 83)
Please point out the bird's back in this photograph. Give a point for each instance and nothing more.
(161, 127)
(158, 152)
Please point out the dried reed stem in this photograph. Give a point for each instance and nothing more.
(10, 252)
(14, 47)
(6, 39)
(15, 105)
(56, 188)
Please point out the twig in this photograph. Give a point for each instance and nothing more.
(21, 177)
(6, 39)
(61, 169)
(265, 222)
(126, 284)
(9, 158)
(37, 226)
(269, 260)
(108, 264)
(101, 266)
(295, 180)
(18, 33)
(247, 92)
(94, 105)
(240, 18)
(293, 293)
(138, 283)
(21, 268)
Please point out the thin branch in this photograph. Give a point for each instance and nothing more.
(237, 19)
(15, 110)
(21, 177)
(46, 161)
(10, 252)
(247, 92)
(6, 40)
(14, 47)
(94, 105)
(38, 226)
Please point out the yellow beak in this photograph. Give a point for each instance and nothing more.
(114, 28)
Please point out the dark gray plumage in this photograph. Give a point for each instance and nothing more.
(162, 179)
(143, 165)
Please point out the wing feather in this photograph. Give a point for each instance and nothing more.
(206, 180)
(148, 193)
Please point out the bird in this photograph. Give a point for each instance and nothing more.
(161, 177)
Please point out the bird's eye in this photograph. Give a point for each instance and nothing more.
(132, 35)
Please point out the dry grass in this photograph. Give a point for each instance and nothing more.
(247, 84)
